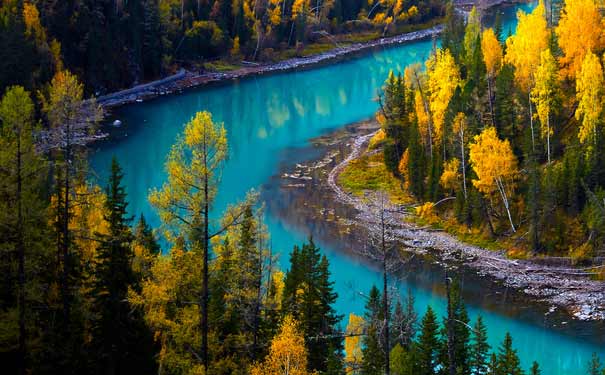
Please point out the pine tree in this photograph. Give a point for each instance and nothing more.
(404, 322)
(24, 236)
(309, 297)
(372, 351)
(112, 277)
(508, 361)
(535, 369)
(428, 343)
(143, 234)
(479, 349)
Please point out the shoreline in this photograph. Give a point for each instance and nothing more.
(185, 80)
(562, 288)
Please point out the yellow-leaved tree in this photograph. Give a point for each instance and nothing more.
(443, 78)
(591, 95)
(287, 354)
(185, 200)
(544, 93)
(579, 31)
(495, 165)
(492, 57)
(523, 51)
(354, 356)
(450, 178)
(459, 129)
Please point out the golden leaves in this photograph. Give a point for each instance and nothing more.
(523, 49)
(544, 92)
(287, 354)
(450, 178)
(492, 160)
(579, 31)
(192, 165)
(443, 79)
(590, 93)
(492, 52)
(353, 352)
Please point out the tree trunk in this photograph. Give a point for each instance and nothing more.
(205, 270)
(450, 328)
(531, 124)
(21, 251)
(385, 301)
(463, 161)
(548, 136)
(505, 201)
(491, 99)
(65, 227)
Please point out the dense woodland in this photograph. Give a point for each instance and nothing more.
(87, 288)
(504, 135)
(112, 44)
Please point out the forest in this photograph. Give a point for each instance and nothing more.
(114, 44)
(509, 129)
(502, 136)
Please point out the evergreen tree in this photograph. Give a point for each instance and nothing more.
(24, 235)
(428, 343)
(504, 104)
(479, 349)
(404, 322)
(508, 362)
(372, 350)
(309, 297)
(143, 234)
(117, 335)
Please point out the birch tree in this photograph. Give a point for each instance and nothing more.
(544, 94)
(495, 165)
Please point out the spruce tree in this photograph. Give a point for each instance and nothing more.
(479, 349)
(313, 308)
(404, 322)
(428, 343)
(112, 276)
(508, 361)
(143, 234)
(373, 356)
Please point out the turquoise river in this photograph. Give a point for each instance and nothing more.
(268, 115)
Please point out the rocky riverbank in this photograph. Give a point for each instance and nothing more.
(562, 288)
(187, 79)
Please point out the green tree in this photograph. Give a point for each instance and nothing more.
(479, 349)
(143, 234)
(508, 361)
(112, 277)
(309, 297)
(185, 200)
(23, 221)
(428, 343)
(372, 350)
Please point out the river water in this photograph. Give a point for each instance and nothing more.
(268, 119)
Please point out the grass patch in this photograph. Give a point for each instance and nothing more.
(221, 66)
(368, 173)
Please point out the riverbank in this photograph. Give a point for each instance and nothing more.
(562, 288)
(186, 79)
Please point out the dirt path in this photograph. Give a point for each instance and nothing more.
(566, 288)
